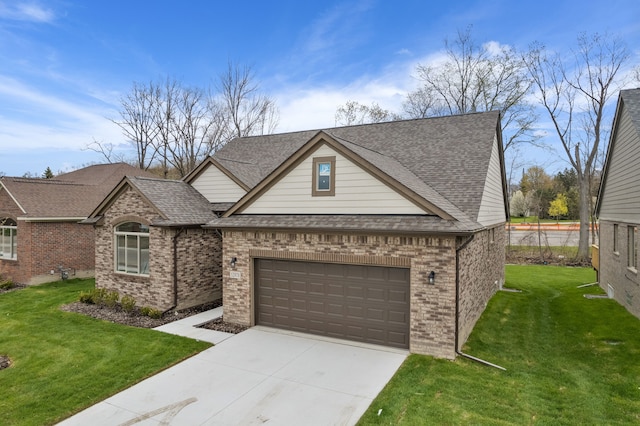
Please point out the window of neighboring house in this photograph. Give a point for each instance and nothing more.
(8, 239)
(132, 248)
(616, 249)
(324, 174)
(632, 247)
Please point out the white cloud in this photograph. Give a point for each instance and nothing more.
(26, 11)
(44, 120)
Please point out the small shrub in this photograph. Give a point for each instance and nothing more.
(6, 284)
(151, 312)
(99, 296)
(111, 299)
(86, 297)
(128, 303)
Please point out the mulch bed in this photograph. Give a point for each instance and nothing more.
(14, 288)
(134, 319)
(218, 324)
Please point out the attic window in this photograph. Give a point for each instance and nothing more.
(324, 172)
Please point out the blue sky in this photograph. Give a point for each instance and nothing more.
(64, 64)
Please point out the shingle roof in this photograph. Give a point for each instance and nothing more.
(443, 159)
(631, 98)
(179, 202)
(70, 195)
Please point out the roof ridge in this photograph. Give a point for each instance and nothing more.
(352, 126)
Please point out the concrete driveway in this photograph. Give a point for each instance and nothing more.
(258, 376)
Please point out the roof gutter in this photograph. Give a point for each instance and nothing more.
(457, 333)
(174, 239)
(51, 219)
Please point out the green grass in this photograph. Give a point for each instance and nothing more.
(63, 362)
(569, 360)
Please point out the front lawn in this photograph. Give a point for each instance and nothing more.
(570, 360)
(63, 362)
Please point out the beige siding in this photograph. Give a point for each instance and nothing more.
(492, 209)
(621, 195)
(217, 187)
(357, 192)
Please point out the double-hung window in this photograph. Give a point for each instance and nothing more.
(132, 248)
(8, 239)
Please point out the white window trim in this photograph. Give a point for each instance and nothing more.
(13, 243)
(115, 251)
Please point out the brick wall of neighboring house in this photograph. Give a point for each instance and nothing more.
(615, 277)
(481, 266)
(432, 322)
(43, 246)
(195, 277)
(199, 267)
(55, 244)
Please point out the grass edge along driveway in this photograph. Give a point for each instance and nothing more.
(63, 362)
(570, 360)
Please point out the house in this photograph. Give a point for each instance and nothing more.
(618, 206)
(150, 244)
(39, 230)
(390, 233)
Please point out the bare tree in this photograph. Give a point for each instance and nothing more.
(477, 78)
(574, 90)
(106, 149)
(190, 124)
(247, 111)
(138, 124)
(172, 126)
(354, 112)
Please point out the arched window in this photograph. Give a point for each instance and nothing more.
(132, 248)
(8, 238)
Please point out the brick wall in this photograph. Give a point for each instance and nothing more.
(198, 281)
(43, 246)
(432, 322)
(199, 267)
(614, 273)
(481, 275)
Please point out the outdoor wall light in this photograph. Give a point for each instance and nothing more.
(432, 278)
(233, 262)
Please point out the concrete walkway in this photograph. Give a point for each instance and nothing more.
(188, 327)
(260, 375)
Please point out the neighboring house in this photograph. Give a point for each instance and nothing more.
(389, 233)
(150, 244)
(39, 230)
(618, 206)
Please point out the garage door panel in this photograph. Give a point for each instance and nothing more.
(357, 302)
(398, 295)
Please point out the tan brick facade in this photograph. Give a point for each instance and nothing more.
(433, 307)
(198, 259)
(44, 246)
(481, 267)
(615, 277)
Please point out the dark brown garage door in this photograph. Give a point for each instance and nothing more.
(363, 303)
